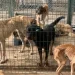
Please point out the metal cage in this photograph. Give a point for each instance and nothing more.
(25, 62)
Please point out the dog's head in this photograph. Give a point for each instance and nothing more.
(40, 10)
(32, 31)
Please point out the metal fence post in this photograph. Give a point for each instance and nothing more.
(69, 17)
(11, 6)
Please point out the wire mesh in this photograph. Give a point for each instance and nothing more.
(25, 61)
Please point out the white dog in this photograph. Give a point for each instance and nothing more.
(8, 26)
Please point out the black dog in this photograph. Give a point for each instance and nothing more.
(43, 37)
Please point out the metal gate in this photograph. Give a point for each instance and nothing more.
(25, 60)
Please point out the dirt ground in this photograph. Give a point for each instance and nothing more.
(25, 59)
(44, 73)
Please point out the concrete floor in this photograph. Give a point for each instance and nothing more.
(25, 59)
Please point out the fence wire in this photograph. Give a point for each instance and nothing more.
(25, 61)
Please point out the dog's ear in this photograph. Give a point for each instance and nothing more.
(39, 10)
(42, 10)
(45, 7)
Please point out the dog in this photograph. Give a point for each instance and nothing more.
(27, 42)
(63, 29)
(7, 27)
(43, 38)
(41, 14)
(62, 53)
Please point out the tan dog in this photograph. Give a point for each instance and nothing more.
(41, 14)
(10, 25)
(64, 29)
(61, 53)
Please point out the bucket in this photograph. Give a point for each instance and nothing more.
(17, 42)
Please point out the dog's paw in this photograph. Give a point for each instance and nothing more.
(40, 64)
(3, 61)
(31, 53)
(47, 64)
(21, 51)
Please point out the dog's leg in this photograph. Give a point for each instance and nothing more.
(46, 56)
(50, 48)
(40, 54)
(43, 23)
(23, 45)
(23, 39)
(3, 52)
(31, 44)
(47, 17)
(60, 67)
(61, 60)
(43, 16)
(31, 47)
(72, 68)
(21, 36)
(58, 64)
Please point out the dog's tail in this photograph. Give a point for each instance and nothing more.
(57, 20)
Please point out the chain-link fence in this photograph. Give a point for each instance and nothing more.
(25, 61)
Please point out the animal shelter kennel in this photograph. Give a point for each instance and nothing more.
(26, 60)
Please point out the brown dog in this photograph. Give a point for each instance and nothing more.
(10, 25)
(41, 13)
(61, 53)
